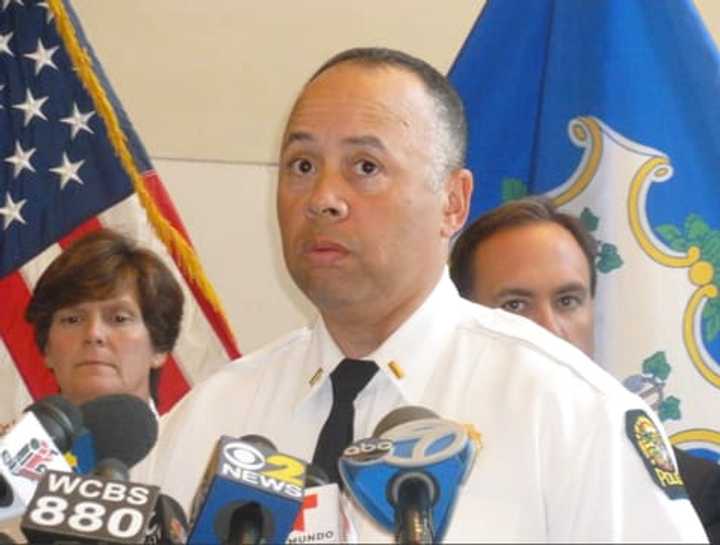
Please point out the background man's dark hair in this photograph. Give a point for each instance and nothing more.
(448, 105)
(96, 267)
(513, 214)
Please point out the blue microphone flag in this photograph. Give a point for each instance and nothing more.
(435, 450)
(241, 474)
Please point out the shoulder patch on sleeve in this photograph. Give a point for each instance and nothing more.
(655, 453)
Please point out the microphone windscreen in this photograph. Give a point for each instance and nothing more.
(402, 415)
(259, 441)
(113, 469)
(61, 419)
(122, 427)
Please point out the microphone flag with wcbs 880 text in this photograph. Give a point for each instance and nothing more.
(33, 445)
(102, 506)
(407, 476)
(249, 493)
(99, 508)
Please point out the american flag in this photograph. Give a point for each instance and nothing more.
(70, 162)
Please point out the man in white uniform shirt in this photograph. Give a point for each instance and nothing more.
(371, 189)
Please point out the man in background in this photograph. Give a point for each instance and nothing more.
(371, 189)
(531, 259)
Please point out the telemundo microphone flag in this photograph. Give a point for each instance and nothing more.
(70, 163)
(611, 108)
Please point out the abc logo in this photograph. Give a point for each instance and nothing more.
(244, 455)
(367, 450)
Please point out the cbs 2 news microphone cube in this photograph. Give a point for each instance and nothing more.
(70, 507)
(241, 473)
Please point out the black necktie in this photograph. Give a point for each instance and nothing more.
(348, 378)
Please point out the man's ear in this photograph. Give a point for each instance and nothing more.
(458, 191)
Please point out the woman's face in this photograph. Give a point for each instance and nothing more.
(102, 347)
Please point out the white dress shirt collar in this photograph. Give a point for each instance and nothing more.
(430, 322)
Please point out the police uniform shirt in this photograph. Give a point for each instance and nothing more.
(557, 462)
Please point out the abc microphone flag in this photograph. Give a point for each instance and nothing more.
(407, 476)
(249, 492)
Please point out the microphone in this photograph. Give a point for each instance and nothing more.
(61, 420)
(34, 444)
(169, 525)
(113, 469)
(407, 475)
(103, 416)
(122, 426)
(249, 493)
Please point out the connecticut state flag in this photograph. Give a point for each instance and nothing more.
(70, 162)
(612, 108)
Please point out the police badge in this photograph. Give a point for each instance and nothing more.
(655, 453)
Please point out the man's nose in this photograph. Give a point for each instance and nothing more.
(546, 316)
(326, 201)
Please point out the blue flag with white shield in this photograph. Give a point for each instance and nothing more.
(612, 108)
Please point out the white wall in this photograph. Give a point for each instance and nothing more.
(208, 86)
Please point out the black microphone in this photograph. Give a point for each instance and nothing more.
(33, 444)
(61, 419)
(413, 493)
(113, 469)
(103, 417)
(169, 524)
(122, 426)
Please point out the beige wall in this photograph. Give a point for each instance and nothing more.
(208, 89)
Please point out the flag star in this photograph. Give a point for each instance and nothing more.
(5, 44)
(68, 171)
(42, 57)
(49, 16)
(32, 107)
(11, 211)
(21, 159)
(78, 121)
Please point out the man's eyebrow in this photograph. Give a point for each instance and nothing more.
(297, 136)
(514, 291)
(572, 287)
(365, 140)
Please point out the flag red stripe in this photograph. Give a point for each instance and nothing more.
(93, 224)
(18, 336)
(172, 385)
(217, 321)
